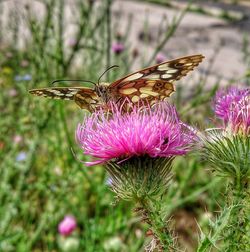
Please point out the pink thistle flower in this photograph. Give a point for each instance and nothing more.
(239, 120)
(160, 57)
(225, 101)
(118, 47)
(67, 225)
(233, 106)
(156, 132)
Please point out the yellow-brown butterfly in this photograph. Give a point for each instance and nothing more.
(149, 84)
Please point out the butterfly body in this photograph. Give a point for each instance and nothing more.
(104, 92)
(150, 84)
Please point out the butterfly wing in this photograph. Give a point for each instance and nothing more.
(156, 82)
(85, 98)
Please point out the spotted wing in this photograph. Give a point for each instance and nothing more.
(85, 98)
(156, 82)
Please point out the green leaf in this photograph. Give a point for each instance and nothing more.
(207, 241)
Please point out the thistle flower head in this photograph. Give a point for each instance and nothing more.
(226, 99)
(118, 47)
(228, 149)
(239, 121)
(137, 146)
(156, 132)
(232, 106)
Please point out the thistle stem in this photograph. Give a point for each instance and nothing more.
(152, 217)
(238, 238)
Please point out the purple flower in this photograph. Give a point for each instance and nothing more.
(67, 225)
(233, 107)
(225, 101)
(239, 120)
(21, 156)
(160, 57)
(118, 47)
(26, 77)
(72, 42)
(156, 132)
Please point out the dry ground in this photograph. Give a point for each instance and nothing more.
(219, 40)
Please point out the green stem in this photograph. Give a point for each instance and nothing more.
(238, 238)
(152, 217)
(108, 60)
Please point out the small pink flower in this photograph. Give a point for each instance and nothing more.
(71, 42)
(118, 47)
(17, 139)
(160, 57)
(12, 92)
(156, 132)
(67, 225)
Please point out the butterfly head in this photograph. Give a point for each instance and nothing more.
(101, 90)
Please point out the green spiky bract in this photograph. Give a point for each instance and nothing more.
(140, 177)
(145, 180)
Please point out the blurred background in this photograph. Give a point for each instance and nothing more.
(41, 181)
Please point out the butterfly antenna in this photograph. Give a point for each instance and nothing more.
(55, 81)
(98, 82)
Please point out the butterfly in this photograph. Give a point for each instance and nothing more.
(149, 84)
